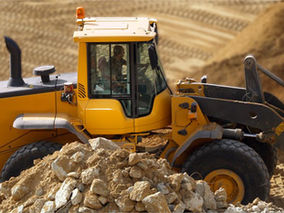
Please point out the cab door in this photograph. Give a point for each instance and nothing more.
(153, 103)
(110, 106)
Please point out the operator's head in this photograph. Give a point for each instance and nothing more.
(118, 50)
(102, 63)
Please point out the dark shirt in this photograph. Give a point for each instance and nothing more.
(116, 67)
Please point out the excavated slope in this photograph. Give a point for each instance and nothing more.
(264, 39)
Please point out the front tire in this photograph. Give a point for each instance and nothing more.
(232, 165)
(267, 152)
(23, 158)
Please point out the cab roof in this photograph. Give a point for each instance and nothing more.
(115, 29)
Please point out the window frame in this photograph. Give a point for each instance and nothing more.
(133, 48)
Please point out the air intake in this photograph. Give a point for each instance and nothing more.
(81, 91)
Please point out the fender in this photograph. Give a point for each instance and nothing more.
(49, 121)
(210, 131)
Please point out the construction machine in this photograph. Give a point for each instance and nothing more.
(225, 135)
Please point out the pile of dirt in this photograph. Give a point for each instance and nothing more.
(264, 39)
(256, 206)
(105, 178)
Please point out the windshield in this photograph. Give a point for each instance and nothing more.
(109, 69)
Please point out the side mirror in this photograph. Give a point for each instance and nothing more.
(153, 56)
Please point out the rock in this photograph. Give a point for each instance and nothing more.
(99, 187)
(140, 207)
(18, 209)
(156, 203)
(255, 209)
(60, 166)
(81, 187)
(51, 193)
(37, 206)
(39, 191)
(141, 189)
(261, 205)
(171, 197)
(125, 172)
(124, 203)
(48, 207)
(73, 175)
(78, 157)
(134, 158)
(179, 208)
(163, 188)
(193, 202)
(89, 174)
(5, 190)
(19, 191)
(233, 209)
(117, 189)
(76, 197)
(103, 143)
(63, 194)
(86, 210)
(103, 200)
(175, 181)
(187, 186)
(188, 180)
(92, 201)
(200, 188)
(143, 164)
(203, 189)
(136, 172)
(208, 197)
(221, 197)
(110, 208)
(73, 209)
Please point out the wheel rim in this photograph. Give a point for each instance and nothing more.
(228, 180)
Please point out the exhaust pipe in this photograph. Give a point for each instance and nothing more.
(15, 79)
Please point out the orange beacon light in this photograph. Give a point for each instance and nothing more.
(80, 12)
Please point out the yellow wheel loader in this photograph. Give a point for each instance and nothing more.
(225, 135)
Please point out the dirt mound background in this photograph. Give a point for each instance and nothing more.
(190, 30)
(263, 38)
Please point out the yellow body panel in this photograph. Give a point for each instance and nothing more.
(82, 85)
(106, 116)
(160, 115)
(185, 119)
(12, 138)
(132, 38)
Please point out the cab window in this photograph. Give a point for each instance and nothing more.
(109, 73)
(150, 81)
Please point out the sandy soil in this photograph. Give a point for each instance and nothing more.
(196, 37)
